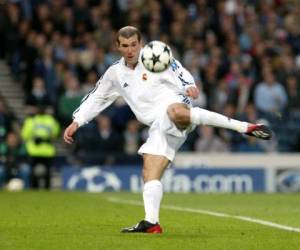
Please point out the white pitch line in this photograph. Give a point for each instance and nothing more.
(212, 213)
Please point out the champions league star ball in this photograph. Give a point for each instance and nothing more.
(156, 56)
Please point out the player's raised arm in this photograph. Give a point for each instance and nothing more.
(184, 80)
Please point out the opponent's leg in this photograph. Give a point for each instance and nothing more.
(153, 169)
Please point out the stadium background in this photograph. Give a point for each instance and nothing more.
(244, 56)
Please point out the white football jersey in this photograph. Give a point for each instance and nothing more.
(148, 94)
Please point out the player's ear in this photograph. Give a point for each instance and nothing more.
(117, 43)
(142, 43)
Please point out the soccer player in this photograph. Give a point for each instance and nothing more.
(161, 101)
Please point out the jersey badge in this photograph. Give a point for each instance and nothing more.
(144, 77)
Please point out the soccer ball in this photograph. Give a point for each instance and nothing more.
(15, 184)
(156, 56)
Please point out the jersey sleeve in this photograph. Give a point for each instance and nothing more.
(183, 78)
(103, 95)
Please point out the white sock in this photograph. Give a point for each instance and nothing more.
(204, 117)
(152, 195)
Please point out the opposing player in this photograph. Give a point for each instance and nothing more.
(161, 101)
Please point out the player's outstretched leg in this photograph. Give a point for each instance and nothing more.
(259, 131)
(200, 116)
(143, 227)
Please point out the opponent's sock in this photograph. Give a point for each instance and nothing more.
(152, 195)
(204, 117)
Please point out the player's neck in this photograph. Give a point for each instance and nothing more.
(131, 65)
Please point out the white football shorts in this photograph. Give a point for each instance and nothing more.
(164, 138)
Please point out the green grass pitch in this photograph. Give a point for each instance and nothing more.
(74, 220)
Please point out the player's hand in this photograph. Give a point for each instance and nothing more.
(69, 132)
(192, 92)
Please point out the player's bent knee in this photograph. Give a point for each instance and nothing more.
(175, 112)
(171, 111)
(179, 114)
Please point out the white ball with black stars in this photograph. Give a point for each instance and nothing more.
(156, 56)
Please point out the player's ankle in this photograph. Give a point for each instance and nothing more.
(152, 221)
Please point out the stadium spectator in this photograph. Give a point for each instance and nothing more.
(293, 92)
(45, 68)
(90, 82)
(120, 114)
(132, 138)
(220, 96)
(99, 65)
(208, 141)
(14, 161)
(8, 124)
(249, 146)
(286, 66)
(195, 53)
(98, 143)
(109, 141)
(70, 99)
(37, 97)
(238, 86)
(62, 46)
(270, 95)
(38, 133)
(214, 88)
(10, 26)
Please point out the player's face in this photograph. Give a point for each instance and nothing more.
(130, 49)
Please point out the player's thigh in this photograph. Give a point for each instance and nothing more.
(164, 138)
(154, 166)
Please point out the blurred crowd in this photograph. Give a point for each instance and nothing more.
(243, 54)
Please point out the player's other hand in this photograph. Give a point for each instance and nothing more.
(69, 132)
(192, 92)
